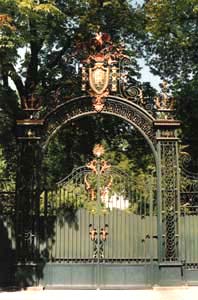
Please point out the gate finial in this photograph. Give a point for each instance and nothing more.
(98, 150)
(164, 103)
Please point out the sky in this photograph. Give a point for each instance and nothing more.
(147, 76)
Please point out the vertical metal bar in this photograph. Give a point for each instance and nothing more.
(117, 234)
(159, 200)
(151, 216)
(187, 241)
(111, 233)
(190, 237)
(183, 231)
(129, 231)
(178, 202)
(76, 232)
(59, 227)
(135, 225)
(89, 241)
(45, 216)
(140, 227)
(185, 237)
(121, 226)
(68, 234)
(125, 220)
(194, 236)
(54, 218)
(79, 244)
(72, 236)
(56, 199)
(98, 228)
(64, 229)
(131, 220)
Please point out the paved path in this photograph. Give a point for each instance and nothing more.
(182, 293)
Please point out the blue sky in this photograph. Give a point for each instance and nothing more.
(147, 76)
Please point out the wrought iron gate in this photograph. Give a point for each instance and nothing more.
(97, 227)
(99, 220)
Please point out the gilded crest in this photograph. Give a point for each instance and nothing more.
(99, 78)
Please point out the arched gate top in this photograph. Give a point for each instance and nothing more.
(116, 106)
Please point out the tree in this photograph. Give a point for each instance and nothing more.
(48, 34)
(170, 47)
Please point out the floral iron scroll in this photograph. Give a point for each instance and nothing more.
(98, 181)
(98, 242)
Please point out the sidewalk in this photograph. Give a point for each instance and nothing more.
(157, 293)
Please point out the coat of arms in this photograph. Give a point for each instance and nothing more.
(99, 78)
(102, 73)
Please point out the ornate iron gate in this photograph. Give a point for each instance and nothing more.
(70, 234)
(100, 221)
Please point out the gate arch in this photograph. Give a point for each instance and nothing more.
(116, 106)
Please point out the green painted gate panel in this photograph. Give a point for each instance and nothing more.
(97, 236)
(97, 276)
(130, 237)
(189, 236)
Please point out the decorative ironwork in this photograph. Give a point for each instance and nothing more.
(104, 74)
(83, 106)
(189, 183)
(128, 87)
(189, 209)
(167, 137)
(98, 167)
(98, 243)
(29, 129)
(105, 237)
(188, 166)
(164, 103)
(170, 198)
(134, 115)
(32, 103)
(93, 233)
(104, 233)
(102, 71)
(98, 150)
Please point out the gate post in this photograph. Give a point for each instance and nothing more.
(168, 187)
(27, 200)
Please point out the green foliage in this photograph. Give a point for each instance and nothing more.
(38, 41)
(2, 164)
(72, 147)
(172, 39)
(49, 32)
(171, 51)
(8, 113)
